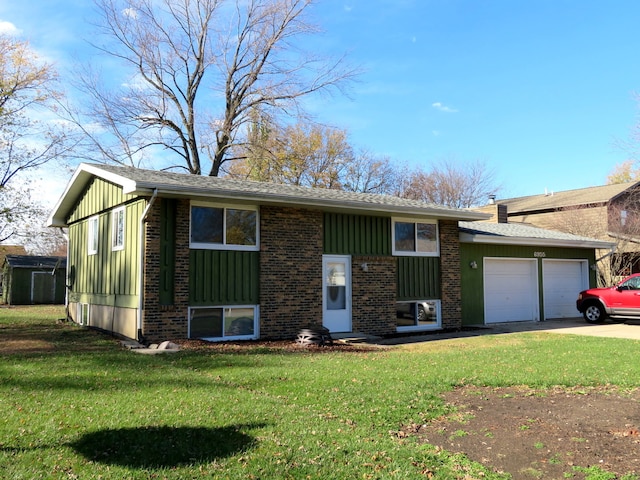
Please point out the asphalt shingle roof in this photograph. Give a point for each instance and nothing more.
(567, 198)
(36, 261)
(508, 232)
(144, 182)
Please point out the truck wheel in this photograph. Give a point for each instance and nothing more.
(594, 313)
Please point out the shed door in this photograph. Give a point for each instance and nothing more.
(43, 287)
(510, 290)
(562, 280)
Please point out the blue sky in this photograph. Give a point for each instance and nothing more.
(539, 90)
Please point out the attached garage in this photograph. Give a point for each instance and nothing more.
(519, 273)
(562, 279)
(510, 290)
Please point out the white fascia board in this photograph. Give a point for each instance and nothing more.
(534, 242)
(74, 187)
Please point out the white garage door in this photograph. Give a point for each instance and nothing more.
(510, 290)
(562, 281)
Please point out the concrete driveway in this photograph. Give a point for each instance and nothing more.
(574, 326)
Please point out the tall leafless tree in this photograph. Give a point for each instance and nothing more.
(198, 69)
(451, 183)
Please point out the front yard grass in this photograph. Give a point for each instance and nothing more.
(74, 404)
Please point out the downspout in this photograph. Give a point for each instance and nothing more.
(67, 283)
(143, 220)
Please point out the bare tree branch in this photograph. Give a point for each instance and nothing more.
(197, 69)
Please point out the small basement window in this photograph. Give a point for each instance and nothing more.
(83, 314)
(417, 315)
(223, 323)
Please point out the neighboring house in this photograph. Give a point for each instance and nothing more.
(11, 250)
(515, 272)
(157, 255)
(608, 213)
(31, 279)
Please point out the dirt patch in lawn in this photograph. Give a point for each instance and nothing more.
(533, 434)
(15, 346)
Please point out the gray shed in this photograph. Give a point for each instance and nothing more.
(30, 279)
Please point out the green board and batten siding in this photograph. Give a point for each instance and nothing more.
(223, 277)
(356, 235)
(99, 196)
(107, 277)
(472, 279)
(418, 278)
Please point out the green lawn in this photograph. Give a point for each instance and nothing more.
(74, 404)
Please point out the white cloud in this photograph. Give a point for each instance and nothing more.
(443, 108)
(130, 12)
(8, 28)
(348, 8)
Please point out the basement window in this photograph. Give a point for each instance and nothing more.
(416, 315)
(223, 323)
(83, 314)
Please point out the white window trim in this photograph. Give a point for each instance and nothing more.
(115, 213)
(424, 328)
(256, 323)
(224, 246)
(403, 253)
(93, 232)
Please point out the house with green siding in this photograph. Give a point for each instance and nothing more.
(158, 255)
(513, 272)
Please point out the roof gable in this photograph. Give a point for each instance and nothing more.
(140, 182)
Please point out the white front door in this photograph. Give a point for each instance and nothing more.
(336, 293)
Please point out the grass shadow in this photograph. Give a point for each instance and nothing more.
(163, 446)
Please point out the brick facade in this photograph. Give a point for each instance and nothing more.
(166, 322)
(373, 289)
(450, 282)
(290, 270)
(291, 255)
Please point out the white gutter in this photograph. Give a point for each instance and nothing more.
(534, 242)
(141, 237)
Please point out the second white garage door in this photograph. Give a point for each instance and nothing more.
(510, 290)
(563, 280)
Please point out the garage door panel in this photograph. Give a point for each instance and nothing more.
(562, 281)
(511, 292)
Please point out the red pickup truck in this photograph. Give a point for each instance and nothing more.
(621, 300)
